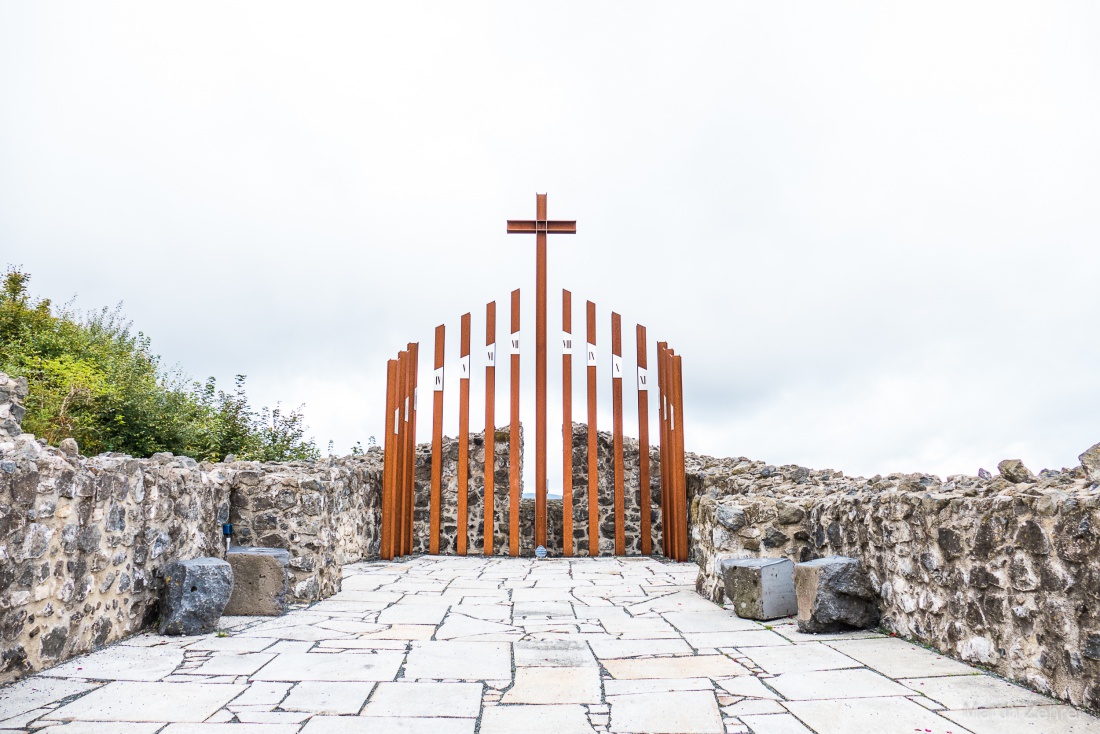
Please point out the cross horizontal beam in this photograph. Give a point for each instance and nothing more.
(534, 226)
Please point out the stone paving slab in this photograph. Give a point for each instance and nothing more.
(668, 712)
(31, 693)
(100, 727)
(1045, 719)
(474, 646)
(974, 692)
(879, 715)
(132, 701)
(121, 662)
(900, 659)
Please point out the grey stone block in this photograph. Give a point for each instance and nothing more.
(760, 588)
(196, 592)
(260, 576)
(834, 594)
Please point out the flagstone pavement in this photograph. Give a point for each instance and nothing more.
(504, 646)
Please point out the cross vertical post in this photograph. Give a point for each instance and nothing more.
(540, 227)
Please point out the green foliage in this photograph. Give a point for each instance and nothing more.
(92, 379)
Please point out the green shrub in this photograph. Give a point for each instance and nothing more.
(94, 380)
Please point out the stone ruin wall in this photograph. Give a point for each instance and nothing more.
(476, 501)
(326, 513)
(84, 540)
(1002, 572)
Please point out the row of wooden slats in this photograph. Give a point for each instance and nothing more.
(400, 446)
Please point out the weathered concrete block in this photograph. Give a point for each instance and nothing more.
(196, 592)
(834, 594)
(760, 588)
(260, 581)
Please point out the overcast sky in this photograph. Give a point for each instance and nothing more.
(871, 229)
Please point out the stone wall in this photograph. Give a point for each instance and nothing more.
(1001, 571)
(84, 541)
(326, 513)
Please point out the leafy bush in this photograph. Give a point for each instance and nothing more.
(92, 379)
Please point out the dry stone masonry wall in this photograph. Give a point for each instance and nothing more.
(998, 570)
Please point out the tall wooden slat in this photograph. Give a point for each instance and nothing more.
(490, 423)
(674, 456)
(540, 374)
(437, 440)
(402, 467)
(410, 441)
(681, 478)
(389, 465)
(662, 364)
(513, 434)
(567, 423)
(593, 459)
(463, 532)
(645, 499)
(617, 423)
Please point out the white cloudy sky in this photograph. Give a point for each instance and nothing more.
(871, 229)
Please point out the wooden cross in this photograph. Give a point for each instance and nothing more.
(540, 226)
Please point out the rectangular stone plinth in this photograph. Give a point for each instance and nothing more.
(760, 588)
(259, 581)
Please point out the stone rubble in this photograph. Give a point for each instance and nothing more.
(195, 594)
(834, 594)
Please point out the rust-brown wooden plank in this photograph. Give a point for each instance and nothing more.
(389, 462)
(681, 478)
(662, 368)
(437, 440)
(513, 433)
(645, 500)
(399, 439)
(617, 427)
(567, 423)
(593, 459)
(540, 374)
(490, 423)
(410, 488)
(463, 469)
